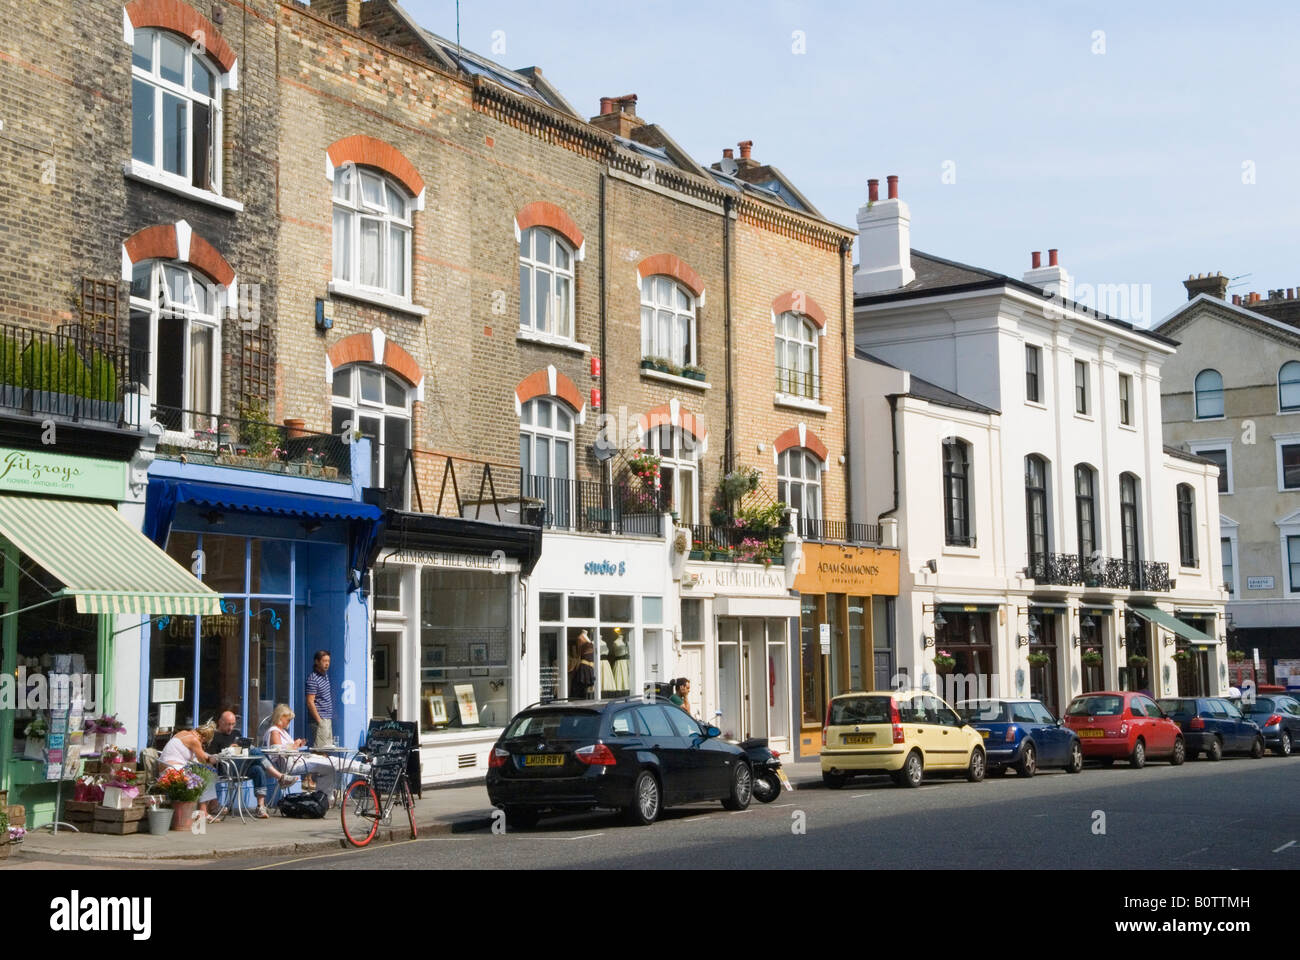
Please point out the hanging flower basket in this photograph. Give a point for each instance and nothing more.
(1137, 660)
(1092, 658)
(1039, 659)
(944, 661)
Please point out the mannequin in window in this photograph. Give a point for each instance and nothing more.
(606, 668)
(620, 661)
(582, 676)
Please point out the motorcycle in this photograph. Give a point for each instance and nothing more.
(766, 764)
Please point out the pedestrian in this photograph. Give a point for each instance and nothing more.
(582, 676)
(320, 702)
(682, 693)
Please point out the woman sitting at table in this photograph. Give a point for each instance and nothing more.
(186, 748)
(314, 765)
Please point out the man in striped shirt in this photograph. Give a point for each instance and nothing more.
(320, 703)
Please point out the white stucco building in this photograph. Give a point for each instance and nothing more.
(1048, 537)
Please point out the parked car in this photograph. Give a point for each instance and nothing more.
(1022, 734)
(904, 733)
(1213, 726)
(626, 755)
(1121, 724)
(1278, 717)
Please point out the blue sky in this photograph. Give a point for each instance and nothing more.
(1130, 161)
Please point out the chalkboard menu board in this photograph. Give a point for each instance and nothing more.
(389, 743)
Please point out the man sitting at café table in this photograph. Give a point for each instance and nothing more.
(225, 738)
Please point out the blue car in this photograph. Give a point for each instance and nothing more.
(1022, 734)
(1213, 726)
(1278, 716)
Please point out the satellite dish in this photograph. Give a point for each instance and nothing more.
(729, 166)
(603, 451)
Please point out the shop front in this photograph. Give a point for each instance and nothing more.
(447, 644)
(288, 564)
(1187, 648)
(847, 599)
(76, 580)
(1096, 645)
(735, 650)
(1047, 624)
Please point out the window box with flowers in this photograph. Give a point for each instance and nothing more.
(1039, 659)
(1092, 658)
(944, 661)
(698, 551)
(691, 372)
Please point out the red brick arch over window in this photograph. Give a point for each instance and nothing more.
(802, 303)
(177, 241)
(360, 348)
(370, 152)
(670, 265)
(543, 214)
(539, 384)
(810, 441)
(185, 20)
(662, 415)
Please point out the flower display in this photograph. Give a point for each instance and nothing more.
(943, 660)
(183, 785)
(108, 723)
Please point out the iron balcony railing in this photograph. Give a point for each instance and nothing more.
(838, 531)
(1068, 569)
(70, 374)
(587, 506)
(737, 544)
(194, 436)
(806, 384)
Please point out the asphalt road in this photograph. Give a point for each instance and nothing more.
(1235, 814)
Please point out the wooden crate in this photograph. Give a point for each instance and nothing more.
(120, 829)
(17, 815)
(80, 806)
(111, 815)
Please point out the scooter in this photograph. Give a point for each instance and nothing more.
(766, 764)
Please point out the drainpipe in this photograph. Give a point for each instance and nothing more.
(728, 453)
(845, 244)
(604, 302)
(893, 429)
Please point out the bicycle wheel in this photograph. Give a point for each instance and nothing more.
(409, 801)
(359, 813)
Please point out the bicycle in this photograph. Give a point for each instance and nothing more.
(368, 800)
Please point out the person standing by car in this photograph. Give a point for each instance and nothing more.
(682, 695)
(582, 678)
(320, 702)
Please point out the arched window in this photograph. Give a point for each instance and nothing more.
(1288, 387)
(796, 357)
(545, 283)
(176, 323)
(546, 456)
(958, 529)
(378, 404)
(678, 470)
(1128, 522)
(1037, 524)
(175, 110)
(372, 232)
(1186, 525)
(1209, 395)
(1085, 511)
(667, 321)
(799, 483)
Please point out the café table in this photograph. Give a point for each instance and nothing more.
(339, 758)
(232, 769)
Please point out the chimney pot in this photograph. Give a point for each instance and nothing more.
(1051, 258)
(1236, 299)
(728, 153)
(606, 106)
(746, 146)
(1290, 293)
(892, 181)
(1036, 259)
(873, 190)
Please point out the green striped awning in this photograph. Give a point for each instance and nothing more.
(1173, 624)
(108, 565)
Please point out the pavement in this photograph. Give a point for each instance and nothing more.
(442, 811)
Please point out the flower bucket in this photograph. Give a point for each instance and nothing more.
(160, 819)
(182, 814)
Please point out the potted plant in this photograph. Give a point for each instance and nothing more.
(182, 787)
(944, 661)
(1039, 659)
(12, 391)
(645, 466)
(98, 731)
(1092, 657)
(97, 392)
(35, 732)
(692, 372)
(54, 376)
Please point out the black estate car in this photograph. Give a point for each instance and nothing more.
(630, 755)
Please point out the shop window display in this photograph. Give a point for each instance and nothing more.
(464, 650)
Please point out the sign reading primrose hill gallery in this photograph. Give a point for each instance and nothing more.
(828, 568)
(45, 473)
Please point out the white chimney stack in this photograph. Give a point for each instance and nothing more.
(884, 242)
(1052, 279)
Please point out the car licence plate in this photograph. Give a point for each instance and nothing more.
(859, 738)
(785, 781)
(1092, 733)
(984, 734)
(544, 760)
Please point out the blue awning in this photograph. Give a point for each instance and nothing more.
(165, 495)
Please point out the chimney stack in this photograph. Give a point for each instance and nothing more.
(347, 12)
(618, 116)
(1213, 284)
(884, 241)
(746, 159)
(1052, 279)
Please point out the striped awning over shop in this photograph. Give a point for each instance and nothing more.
(108, 565)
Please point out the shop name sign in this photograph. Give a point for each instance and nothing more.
(727, 579)
(605, 568)
(829, 568)
(847, 570)
(495, 562)
(31, 471)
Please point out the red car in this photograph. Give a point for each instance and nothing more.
(1112, 725)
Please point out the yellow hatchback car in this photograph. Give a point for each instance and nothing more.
(904, 733)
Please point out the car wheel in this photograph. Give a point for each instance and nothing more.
(521, 818)
(767, 787)
(1138, 758)
(1028, 764)
(1076, 759)
(1215, 750)
(913, 771)
(1180, 753)
(1257, 748)
(833, 781)
(1283, 748)
(742, 787)
(644, 809)
(975, 769)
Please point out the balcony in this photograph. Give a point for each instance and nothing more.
(70, 375)
(192, 436)
(837, 531)
(804, 384)
(737, 544)
(1067, 569)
